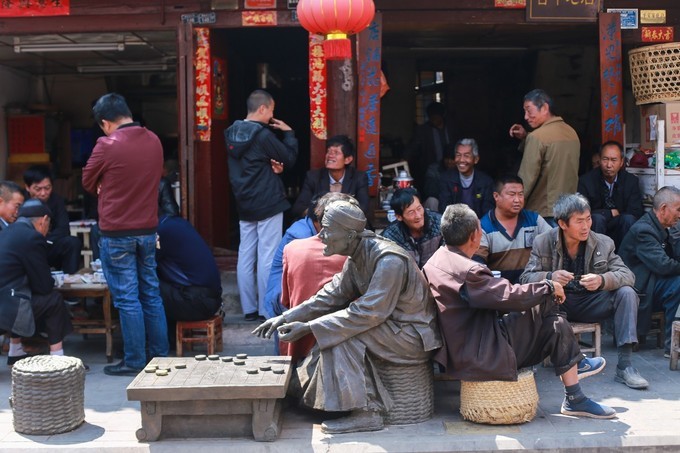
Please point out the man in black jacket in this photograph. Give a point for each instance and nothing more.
(338, 175)
(63, 249)
(23, 260)
(11, 199)
(647, 250)
(255, 155)
(613, 193)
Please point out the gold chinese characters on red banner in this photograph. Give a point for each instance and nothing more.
(258, 18)
(203, 83)
(259, 4)
(318, 93)
(28, 8)
(657, 34)
(511, 4)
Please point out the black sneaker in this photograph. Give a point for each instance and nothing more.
(12, 359)
(254, 316)
(121, 369)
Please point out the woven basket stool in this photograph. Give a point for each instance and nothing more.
(500, 402)
(47, 394)
(411, 388)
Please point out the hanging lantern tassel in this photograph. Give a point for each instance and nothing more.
(337, 46)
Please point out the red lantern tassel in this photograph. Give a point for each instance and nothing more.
(337, 47)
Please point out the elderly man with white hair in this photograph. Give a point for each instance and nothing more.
(379, 306)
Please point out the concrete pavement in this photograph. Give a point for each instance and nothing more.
(647, 420)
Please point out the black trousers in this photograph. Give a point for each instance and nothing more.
(51, 316)
(542, 332)
(64, 254)
(187, 303)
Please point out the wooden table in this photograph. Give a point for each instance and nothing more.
(211, 398)
(104, 326)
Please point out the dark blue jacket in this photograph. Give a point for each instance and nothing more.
(451, 191)
(184, 259)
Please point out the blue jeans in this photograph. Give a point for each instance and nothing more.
(129, 265)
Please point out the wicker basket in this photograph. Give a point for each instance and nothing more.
(411, 388)
(48, 394)
(655, 73)
(500, 402)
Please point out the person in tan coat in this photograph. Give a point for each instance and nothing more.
(552, 150)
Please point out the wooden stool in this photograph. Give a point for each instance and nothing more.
(579, 328)
(675, 345)
(658, 328)
(208, 331)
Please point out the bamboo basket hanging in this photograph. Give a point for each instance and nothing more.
(655, 73)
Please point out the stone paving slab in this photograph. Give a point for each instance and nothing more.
(648, 420)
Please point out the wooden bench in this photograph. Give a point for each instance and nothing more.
(580, 328)
(212, 398)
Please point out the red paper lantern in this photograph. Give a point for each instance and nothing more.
(336, 19)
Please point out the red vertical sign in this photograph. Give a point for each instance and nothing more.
(318, 92)
(611, 77)
(368, 134)
(203, 84)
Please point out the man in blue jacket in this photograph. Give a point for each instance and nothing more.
(254, 154)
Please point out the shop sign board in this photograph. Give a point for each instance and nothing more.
(258, 18)
(657, 34)
(563, 11)
(30, 8)
(652, 16)
(629, 17)
(259, 4)
(369, 56)
(611, 77)
(510, 4)
(199, 18)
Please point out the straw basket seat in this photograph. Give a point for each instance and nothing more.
(411, 388)
(48, 394)
(500, 402)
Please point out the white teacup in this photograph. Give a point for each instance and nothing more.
(58, 277)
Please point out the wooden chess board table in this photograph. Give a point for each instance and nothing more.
(212, 398)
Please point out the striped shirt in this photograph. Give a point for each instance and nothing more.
(506, 253)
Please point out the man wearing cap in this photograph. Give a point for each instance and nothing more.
(338, 175)
(378, 306)
(10, 201)
(26, 272)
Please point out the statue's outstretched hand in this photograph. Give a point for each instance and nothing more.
(293, 331)
(267, 328)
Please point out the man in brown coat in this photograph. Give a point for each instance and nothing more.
(481, 346)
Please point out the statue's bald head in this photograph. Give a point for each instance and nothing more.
(346, 214)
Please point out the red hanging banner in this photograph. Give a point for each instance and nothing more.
(318, 93)
(203, 83)
(369, 58)
(30, 8)
(611, 77)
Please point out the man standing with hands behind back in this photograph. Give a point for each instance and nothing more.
(255, 156)
(124, 170)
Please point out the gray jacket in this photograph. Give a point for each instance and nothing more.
(546, 256)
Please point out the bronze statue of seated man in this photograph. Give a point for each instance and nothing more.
(379, 306)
